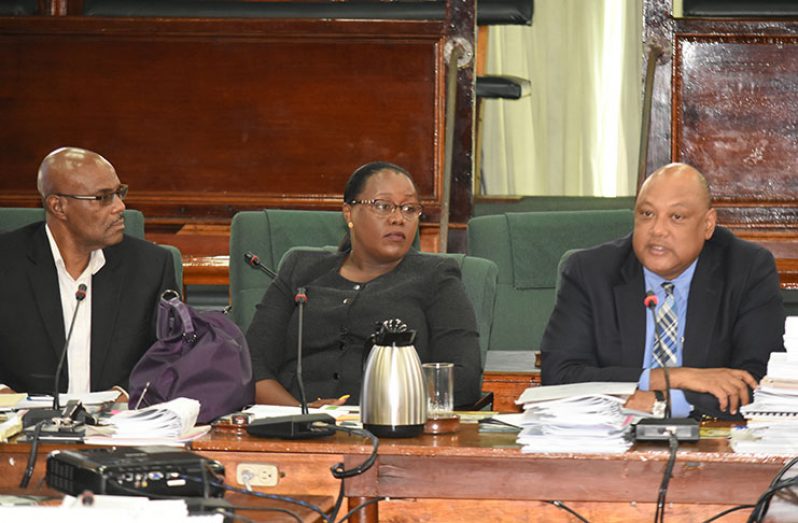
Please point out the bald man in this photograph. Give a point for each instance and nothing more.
(723, 318)
(82, 241)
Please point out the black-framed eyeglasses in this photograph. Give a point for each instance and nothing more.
(105, 198)
(385, 208)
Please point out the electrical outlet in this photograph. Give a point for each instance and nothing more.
(257, 474)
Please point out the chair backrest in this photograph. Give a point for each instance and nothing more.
(480, 279)
(269, 234)
(790, 298)
(19, 7)
(527, 248)
(15, 217)
(486, 205)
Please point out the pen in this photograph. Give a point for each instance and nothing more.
(146, 386)
(344, 397)
(494, 421)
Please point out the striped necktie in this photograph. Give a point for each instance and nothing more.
(667, 330)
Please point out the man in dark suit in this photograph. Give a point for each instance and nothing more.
(723, 318)
(42, 266)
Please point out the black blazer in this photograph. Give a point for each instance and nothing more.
(124, 303)
(735, 315)
(424, 291)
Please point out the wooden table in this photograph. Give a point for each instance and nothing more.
(507, 387)
(472, 476)
(13, 459)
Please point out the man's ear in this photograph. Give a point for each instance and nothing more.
(54, 206)
(711, 222)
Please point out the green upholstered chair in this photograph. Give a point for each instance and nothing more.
(271, 233)
(487, 206)
(790, 297)
(527, 248)
(15, 217)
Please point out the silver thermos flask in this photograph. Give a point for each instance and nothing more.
(393, 402)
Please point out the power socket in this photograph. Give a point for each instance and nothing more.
(257, 474)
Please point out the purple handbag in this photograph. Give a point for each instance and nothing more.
(198, 355)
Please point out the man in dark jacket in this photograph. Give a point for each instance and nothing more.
(719, 312)
(43, 265)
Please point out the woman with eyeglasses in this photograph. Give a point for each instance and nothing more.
(374, 276)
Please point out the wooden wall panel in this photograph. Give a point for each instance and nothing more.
(205, 118)
(728, 104)
(736, 115)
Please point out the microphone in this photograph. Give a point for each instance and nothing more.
(302, 426)
(253, 260)
(651, 302)
(667, 428)
(300, 299)
(66, 422)
(672, 430)
(80, 295)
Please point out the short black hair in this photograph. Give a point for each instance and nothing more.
(354, 186)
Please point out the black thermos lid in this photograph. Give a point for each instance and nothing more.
(393, 332)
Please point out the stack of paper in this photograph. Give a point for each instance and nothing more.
(119, 509)
(577, 418)
(772, 427)
(164, 423)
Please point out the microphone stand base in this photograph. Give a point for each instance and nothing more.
(301, 426)
(34, 416)
(656, 429)
(66, 424)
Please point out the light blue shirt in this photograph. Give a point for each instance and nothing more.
(679, 405)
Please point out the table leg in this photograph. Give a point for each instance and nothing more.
(368, 514)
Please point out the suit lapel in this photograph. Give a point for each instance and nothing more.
(106, 286)
(631, 313)
(44, 282)
(702, 308)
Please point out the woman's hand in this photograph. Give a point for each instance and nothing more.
(320, 402)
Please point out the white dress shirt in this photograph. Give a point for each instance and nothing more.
(79, 351)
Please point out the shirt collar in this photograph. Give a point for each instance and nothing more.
(681, 282)
(96, 258)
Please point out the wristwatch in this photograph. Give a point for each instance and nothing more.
(658, 411)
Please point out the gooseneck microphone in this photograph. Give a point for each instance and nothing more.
(304, 425)
(253, 260)
(668, 428)
(80, 295)
(300, 299)
(651, 303)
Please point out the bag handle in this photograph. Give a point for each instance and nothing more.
(172, 299)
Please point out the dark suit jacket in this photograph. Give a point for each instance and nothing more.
(424, 291)
(124, 303)
(735, 315)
